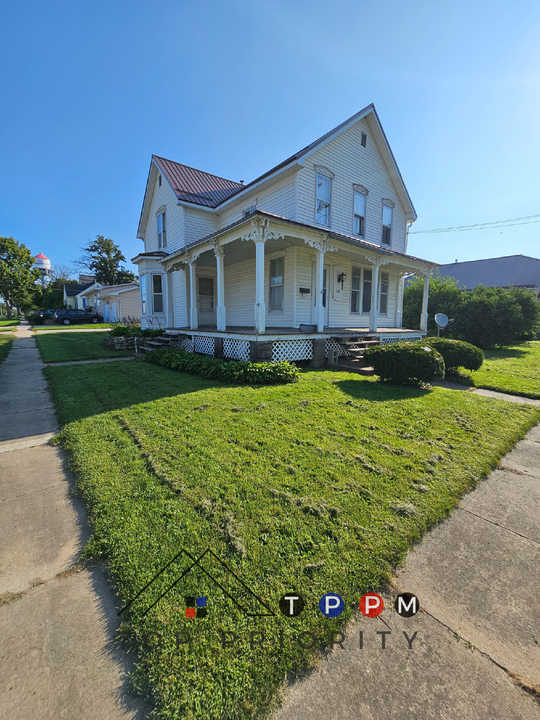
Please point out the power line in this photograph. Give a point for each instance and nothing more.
(510, 222)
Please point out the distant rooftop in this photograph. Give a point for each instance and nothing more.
(511, 270)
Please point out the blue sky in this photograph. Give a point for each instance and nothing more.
(89, 90)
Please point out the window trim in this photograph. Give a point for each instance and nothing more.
(161, 236)
(328, 175)
(389, 204)
(161, 294)
(270, 261)
(361, 190)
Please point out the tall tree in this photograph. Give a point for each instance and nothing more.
(17, 274)
(103, 257)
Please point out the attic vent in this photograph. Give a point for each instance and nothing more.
(364, 140)
(160, 181)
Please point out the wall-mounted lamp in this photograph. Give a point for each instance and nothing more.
(341, 278)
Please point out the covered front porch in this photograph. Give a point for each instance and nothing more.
(268, 278)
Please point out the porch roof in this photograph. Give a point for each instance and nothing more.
(348, 239)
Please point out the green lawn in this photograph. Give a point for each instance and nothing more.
(88, 326)
(75, 346)
(9, 323)
(7, 329)
(315, 487)
(5, 346)
(513, 370)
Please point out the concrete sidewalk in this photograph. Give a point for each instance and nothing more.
(58, 658)
(477, 576)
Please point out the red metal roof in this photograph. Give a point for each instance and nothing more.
(41, 256)
(196, 186)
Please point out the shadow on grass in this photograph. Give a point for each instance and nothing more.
(380, 392)
(80, 391)
(504, 353)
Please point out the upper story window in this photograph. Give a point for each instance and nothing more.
(363, 142)
(323, 198)
(276, 284)
(359, 219)
(161, 230)
(159, 181)
(387, 216)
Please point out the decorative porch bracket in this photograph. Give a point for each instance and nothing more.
(260, 232)
(377, 261)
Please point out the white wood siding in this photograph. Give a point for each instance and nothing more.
(352, 163)
(179, 315)
(198, 224)
(130, 304)
(278, 199)
(174, 220)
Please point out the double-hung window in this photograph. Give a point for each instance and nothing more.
(161, 231)
(157, 294)
(355, 290)
(323, 197)
(359, 213)
(143, 294)
(276, 284)
(383, 301)
(387, 224)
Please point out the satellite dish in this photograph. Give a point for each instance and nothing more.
(441, 320)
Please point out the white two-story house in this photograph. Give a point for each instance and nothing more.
(313, 250)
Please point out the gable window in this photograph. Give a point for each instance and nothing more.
(161, 231)
(276, 284)
(322, 199)
(363, 142)
(387, 224)
(160, 181)
(157, 294)
(359, 213)
(383, 301)
(355, 290)
(366, 291)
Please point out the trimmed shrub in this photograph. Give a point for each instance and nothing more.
(229, 371)
(405, 363)
(456, 353)
(131, 331)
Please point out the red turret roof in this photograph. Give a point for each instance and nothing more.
(42, 256)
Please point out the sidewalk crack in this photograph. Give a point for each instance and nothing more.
(503, 527)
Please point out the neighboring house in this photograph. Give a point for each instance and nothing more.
(120, 303)
(319, 240)
(71, 290)
(89, 297)
(504, 272)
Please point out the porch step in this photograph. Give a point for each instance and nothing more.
(356, 365)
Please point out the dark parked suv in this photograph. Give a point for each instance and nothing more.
(78, 317)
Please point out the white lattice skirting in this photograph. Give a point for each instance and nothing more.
(185, 344)
(334, 345)
(204, 345)
(392, 339)
(292, 350)
(236, 349)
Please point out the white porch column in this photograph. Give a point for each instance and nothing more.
(221, 313)
(399, 300)
(374, 312)
(425, 295)
(260, 307)
(319, 276)
(193, 311)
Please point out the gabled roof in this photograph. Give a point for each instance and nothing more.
(511, 270)
(72, 289)
(117, 289)
(201, 188)
(89, 288)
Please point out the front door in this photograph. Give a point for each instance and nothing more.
(206, 301)
(324, 295)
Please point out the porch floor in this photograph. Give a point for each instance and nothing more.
(273, 331)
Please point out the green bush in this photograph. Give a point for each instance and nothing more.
(445, 296)
(130, 331)
(230, 371)
(35, 319)
(456, 353)
(405, 363)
